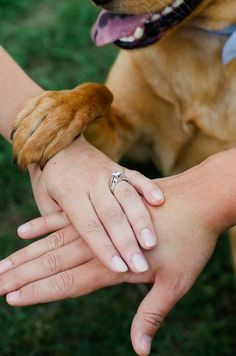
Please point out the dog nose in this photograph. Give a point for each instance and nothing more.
(101, 2)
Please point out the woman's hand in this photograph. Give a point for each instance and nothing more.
(188, 224)
(77, 181)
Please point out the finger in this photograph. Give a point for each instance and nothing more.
(118, 227)
(47, 265)
(150, 316)
(146, 187)
(43, 225)
(87, 223)
(39, 248)
(137, 214)
(75, 282)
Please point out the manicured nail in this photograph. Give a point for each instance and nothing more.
(139, 263)
(148, 238)
(24, 229)
(13, 297)
(146, 344)
(157, 195)
(119, 264)
(5, 266)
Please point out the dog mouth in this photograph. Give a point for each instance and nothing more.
(136, 31)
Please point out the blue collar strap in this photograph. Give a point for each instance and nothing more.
(229, 50)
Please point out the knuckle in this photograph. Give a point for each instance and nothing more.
(142, 221)
(127, 192)
(55, 241)
(15, 279)
(63, 187)
(50, 263)
(134, 174)
(130, 245)
(64, 282)
(13, 258)
(177, 289)
(109, 250)
(31, 291)
(92, 227)
(64, 217)
(113, 214)
(45, 222)
(24, 255)
(153, 319)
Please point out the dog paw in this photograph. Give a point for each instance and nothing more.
(51, 121)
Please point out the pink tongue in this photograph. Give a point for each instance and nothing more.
(110, 27)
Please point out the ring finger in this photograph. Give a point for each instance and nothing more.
(118, 228)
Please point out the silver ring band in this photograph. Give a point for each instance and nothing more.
(116, 178)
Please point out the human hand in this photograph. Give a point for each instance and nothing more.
(76, 181)
(188, 224)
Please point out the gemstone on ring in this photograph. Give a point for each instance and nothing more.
(116, 175)
(116, 178)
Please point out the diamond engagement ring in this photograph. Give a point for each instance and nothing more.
(116, 178)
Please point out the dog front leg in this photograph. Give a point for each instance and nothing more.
(51, 121)
(113, 134)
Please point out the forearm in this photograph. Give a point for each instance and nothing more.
(16, 87)
(222, 191)
(209, 190)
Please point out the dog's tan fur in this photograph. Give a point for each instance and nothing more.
(173, 101)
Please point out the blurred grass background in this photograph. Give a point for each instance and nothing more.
(50, 40)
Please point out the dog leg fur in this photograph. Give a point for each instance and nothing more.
(50, 122)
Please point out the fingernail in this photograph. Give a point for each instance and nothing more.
(139, 263)
(157, 195)
(5, 266)
(146, 343)
(148, 238)
(24, 229)
(13, 297)
(119, 264)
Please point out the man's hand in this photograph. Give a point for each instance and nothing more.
(188, 224)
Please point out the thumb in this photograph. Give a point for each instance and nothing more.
(149, 317)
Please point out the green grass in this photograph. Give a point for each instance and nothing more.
(50, 39)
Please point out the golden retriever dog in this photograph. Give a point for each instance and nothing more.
(173, 96)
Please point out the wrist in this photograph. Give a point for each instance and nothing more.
(214, 191)
(80, 147)
(34, 169)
